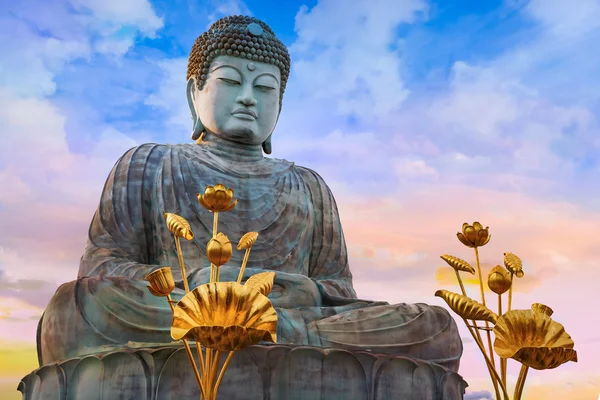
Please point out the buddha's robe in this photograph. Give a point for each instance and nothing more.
(300, 232)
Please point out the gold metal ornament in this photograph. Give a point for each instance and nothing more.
(262, 282)
(179, 226)
(217, 198)
(458, 264)
(533, 339)
(247, 241)
(466, 307)
(225, 316)
(499, 280)
(161, 282)
(514, 264)
(474, 235)
(530, 337)
(542, 308)
(219, 250)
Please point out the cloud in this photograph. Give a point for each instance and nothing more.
(478, 395)
(347, 55)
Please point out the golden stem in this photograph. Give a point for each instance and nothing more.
(213, 373)
(189, 351)
(217, 274)
(502, 360)
(510, 293)
(215, 223)
(241, 274)
(212, 272)
(487, 324)
(181, 264)
(464, 292)
(492, 370)
(521, 382)
(222, 373)
(207, 371)
(200, 356)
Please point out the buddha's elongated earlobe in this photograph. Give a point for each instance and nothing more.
(198, 127)
(266, 145)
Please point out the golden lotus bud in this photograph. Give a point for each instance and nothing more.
(474, 235)
(219, 249)
(513, 264)
(542, 308)
(466, 307)
(533, 339)
(217, 198)
(458, 264)
(179, 226)
(247, 240)
(161, 282)
(499, 280)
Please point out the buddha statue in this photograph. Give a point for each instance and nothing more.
(236, 79)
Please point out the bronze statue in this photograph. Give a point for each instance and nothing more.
(236, 79)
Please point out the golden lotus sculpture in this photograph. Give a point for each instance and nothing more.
(530, 337)
(237, 316)
(218, 316)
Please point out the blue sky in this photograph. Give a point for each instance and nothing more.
(437, 111)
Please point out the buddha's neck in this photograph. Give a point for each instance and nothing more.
(231, 150)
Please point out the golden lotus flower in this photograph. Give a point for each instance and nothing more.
(474, 235)
(247, 240)
(514, 264)
(466, 307)
(458, 264)
(533, 339)
(499, 280)
(161, 282)
(263, 282)
(219, 249)
(217, 198)
(226, 316)
(542, 308)
(179, 226)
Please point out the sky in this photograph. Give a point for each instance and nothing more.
(419, 114)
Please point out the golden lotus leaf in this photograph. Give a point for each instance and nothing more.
(226, 316)
(161, 282)
(474, 235)
(263, 282)
(219, 250)
(542, 308)
(217, 198)
(533, 339)
(499, 280)
(466, 307)
(178, 226)
(247, 240)
(458, 264)
(514, 264)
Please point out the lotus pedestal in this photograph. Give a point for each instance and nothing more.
(274, 372)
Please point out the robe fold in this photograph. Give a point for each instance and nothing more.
(300, 232)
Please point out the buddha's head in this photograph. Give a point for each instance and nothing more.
(237, 72)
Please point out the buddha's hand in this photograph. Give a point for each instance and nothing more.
(289, 290)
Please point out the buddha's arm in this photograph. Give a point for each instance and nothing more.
(117, 239)
(328, 259)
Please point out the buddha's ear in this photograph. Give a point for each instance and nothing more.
(198, 127)
(266, 145)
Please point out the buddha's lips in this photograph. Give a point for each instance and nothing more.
(245, 111)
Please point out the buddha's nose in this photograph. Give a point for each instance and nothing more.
(246, 97)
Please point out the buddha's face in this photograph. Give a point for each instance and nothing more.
(240, 100)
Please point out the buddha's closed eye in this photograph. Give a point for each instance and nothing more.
(229, 81)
